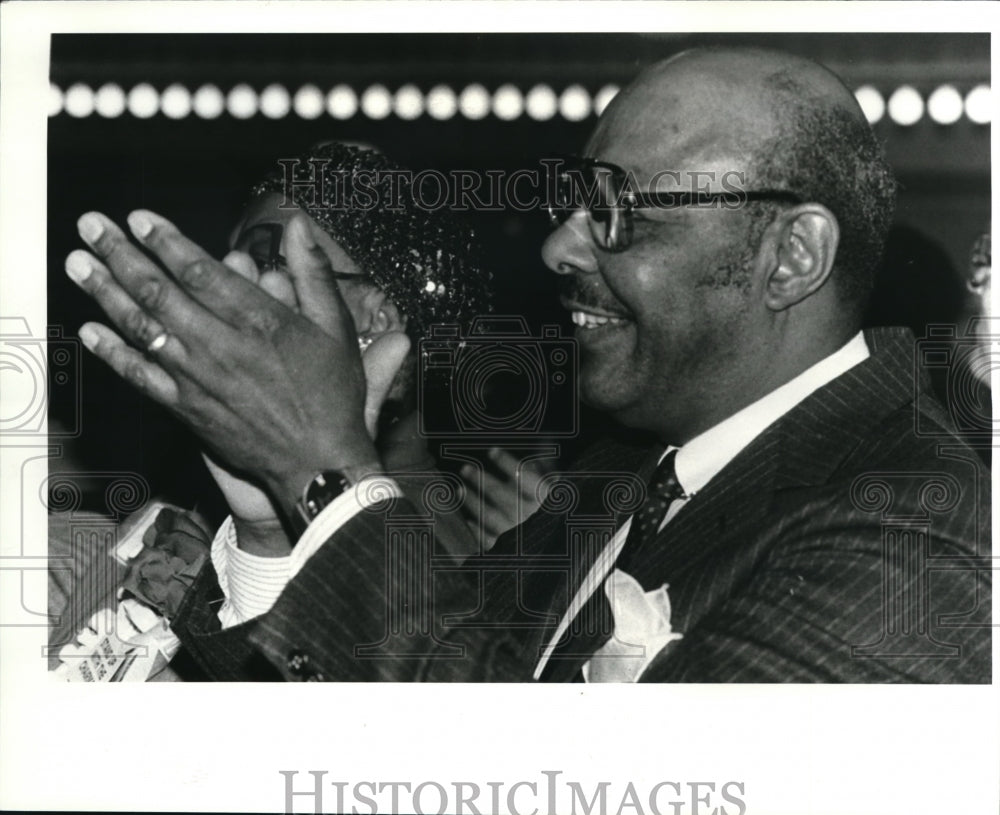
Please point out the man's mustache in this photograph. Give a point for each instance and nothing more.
(589, 296)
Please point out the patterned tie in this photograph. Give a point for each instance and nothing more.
(663, 489)
(592, 626)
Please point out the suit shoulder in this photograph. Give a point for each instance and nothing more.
(919, 437)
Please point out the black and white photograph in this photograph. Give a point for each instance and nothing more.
(461, 367)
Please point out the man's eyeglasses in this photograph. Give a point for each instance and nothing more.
(607, 193)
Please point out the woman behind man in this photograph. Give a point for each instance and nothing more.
(400, 269)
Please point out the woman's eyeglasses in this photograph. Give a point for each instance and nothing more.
(606, 192)
(263, 243)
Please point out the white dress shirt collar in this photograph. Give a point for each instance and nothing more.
(704, 456)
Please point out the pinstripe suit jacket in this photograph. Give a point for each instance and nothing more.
(841, 545)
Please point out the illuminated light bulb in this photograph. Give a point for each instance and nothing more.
(342, 102)
(574, 104)
(79, 100)
(175, 102)
(541, 103)
(871, 103)
(979, 105)
(603, 98)
(944, 106)
(55, 100)
(906, 106)
(408, 103)
(308, 102)
(508, 103)
(474, 102)
(241, 102)
(109, 101)
(441, 103)
(208, 102)
(143, 101)
(275, 102)
(376, 102)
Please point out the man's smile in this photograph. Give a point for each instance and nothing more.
(594, 323)
(585, 319)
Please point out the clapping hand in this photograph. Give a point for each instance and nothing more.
(269, 392)
(312, 293)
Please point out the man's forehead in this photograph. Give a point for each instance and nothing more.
(688, 125)
(666, 157)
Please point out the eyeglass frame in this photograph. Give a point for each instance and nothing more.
(639, 199)
(276, 262)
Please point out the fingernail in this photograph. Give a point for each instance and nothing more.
(140, 224)
(90, 227)
(88, 337)
(78, 267)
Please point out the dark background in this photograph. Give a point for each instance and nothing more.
(197, 171)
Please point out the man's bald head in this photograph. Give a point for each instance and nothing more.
(708, 89)
(785, 121)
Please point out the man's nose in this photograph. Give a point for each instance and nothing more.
(571, 247)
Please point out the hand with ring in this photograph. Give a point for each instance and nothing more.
(268, 391)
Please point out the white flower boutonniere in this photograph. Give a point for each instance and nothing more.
(642, 630)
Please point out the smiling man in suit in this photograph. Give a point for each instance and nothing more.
(809, 513)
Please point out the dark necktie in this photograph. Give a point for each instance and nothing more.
(594, 623)
(662, 490)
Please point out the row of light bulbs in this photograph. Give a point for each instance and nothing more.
(905, 106)
(945, 105)
(474, 102)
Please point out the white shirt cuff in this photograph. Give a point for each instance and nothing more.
(252, 584)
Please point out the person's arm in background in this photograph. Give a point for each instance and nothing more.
(504, 494)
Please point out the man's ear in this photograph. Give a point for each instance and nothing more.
(807, 240)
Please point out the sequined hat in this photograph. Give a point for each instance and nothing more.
(426, 261)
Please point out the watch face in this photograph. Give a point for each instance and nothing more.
(322, 490)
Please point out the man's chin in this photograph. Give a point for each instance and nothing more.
(603, 391)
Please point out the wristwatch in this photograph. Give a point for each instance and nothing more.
(319, 493)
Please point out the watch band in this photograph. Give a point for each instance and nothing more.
(321, 491)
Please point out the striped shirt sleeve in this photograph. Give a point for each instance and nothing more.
(252, 584)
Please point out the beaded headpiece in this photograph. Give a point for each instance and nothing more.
(426, 261)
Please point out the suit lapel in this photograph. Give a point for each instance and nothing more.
(730, 505)
(804, 447)
(582, 535)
